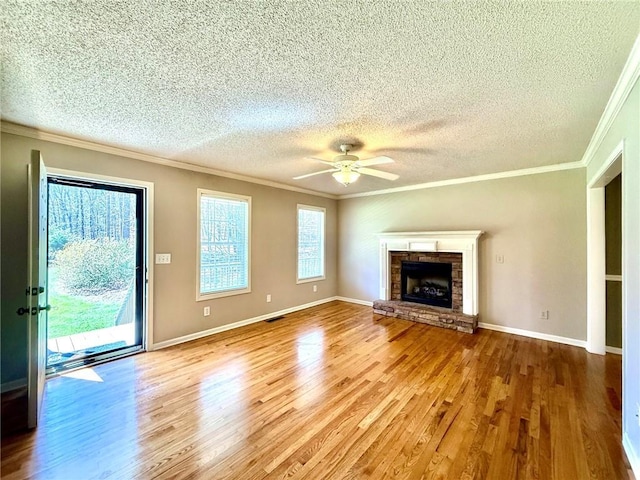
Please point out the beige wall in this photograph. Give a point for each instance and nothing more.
(536, 222)
(176, 313)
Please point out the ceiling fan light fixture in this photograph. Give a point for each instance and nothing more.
(346, 177)
(346, 168)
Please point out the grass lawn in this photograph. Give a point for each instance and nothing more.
(72, 314)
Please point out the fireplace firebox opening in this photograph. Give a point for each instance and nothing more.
(427, 282)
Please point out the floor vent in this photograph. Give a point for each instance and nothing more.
(274, 318)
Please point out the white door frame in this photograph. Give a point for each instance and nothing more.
(37, 289)
(596, 251)
(147, 324)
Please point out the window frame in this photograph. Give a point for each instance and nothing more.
(202, 192)
(301, 206)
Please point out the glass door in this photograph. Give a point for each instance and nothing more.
(95, 272)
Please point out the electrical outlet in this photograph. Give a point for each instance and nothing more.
(499, 258)
(207, 311)
(315, 288)
(268, 297)
(163, 258)
(544, 314)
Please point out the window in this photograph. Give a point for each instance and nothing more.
(310, 243)
(223, 244)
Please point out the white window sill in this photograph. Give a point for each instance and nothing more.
(309, 280)
(227, 293)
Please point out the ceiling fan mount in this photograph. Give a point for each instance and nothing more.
(346, 168)
(345, 158)
(345, 148)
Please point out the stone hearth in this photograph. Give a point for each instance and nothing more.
(438, 317)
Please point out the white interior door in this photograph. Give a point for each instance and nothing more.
(37, 285)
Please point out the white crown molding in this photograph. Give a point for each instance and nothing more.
(626, 81)
(15, 129)
(476, 178)
(531, 334)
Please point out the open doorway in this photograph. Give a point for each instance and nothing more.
(96, 271)
(613, 256)
(597, 251)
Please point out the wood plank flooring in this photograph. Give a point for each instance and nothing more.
(333, 392)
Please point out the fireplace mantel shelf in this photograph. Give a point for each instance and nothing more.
(461, 241)
(460, 235)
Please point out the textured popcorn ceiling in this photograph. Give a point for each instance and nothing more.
(447, 89)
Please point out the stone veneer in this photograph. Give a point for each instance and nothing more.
(436, 316)
(452, 318)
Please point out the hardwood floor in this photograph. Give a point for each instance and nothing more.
(333, 392)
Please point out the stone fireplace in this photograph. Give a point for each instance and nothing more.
(430, 277)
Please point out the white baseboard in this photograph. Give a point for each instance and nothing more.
(616, 350)
(13, 385)
(634, 459)
(532, 334)
(260, 318)
(500, 328)
(356, 301)
(240, 323)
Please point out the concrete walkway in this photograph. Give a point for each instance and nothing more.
(92, 339)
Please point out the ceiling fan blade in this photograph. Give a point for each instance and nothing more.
(315, 173)
(326, 162)
(375, 161)
(416, 150)
(378, 173)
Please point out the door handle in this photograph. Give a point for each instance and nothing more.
(38, 309)
(34, 310)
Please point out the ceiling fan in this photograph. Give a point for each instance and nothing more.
(347, 168)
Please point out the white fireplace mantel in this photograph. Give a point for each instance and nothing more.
(464, 242)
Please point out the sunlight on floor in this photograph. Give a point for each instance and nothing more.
(84, 374)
